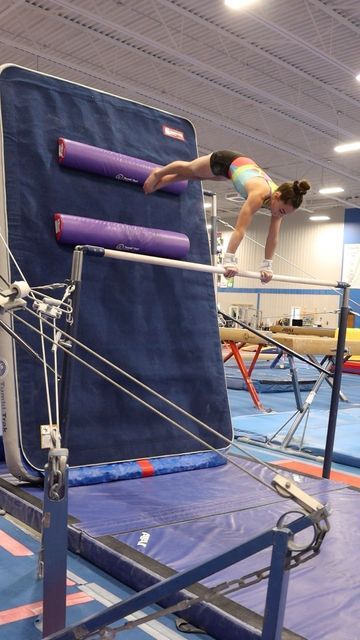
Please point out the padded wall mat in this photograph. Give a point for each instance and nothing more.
(144, 318)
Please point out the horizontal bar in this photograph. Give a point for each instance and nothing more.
(196, 266)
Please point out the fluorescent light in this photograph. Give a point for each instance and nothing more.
(237, 4)
(326, 190)
(319, 218)
(358, 77)
(207, 205)
(351, 146)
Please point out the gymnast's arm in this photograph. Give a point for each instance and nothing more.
(253, 202)
(266, 272)
(272, 237)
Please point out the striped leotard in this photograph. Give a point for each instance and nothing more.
(239, 169)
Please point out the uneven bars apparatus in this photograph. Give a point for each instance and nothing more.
(100, 252)
(278, 537)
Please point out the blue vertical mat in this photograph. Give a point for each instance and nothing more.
(157, 323)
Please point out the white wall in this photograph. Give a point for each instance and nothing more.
(311, 249)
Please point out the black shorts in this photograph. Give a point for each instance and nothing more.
(220, 162)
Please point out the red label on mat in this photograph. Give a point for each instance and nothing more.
(173, 133)
(146, 467)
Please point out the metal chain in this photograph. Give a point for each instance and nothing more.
(56, 481)
(222, 589)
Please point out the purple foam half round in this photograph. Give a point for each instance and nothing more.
(77, 155)
(123, 237)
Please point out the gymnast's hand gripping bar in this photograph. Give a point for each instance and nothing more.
(196, 266)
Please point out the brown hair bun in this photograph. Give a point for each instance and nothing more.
(301, 187)
(293, 192)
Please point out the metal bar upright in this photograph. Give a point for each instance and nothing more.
(336, 386)
(277, 586)
(295, 383)
(67, 364)
(213, 234)
(54, 555)
(213, 227)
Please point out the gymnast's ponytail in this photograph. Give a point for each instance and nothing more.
(293, 192)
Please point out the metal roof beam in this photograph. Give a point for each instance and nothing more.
(229, 79)
(261, 51)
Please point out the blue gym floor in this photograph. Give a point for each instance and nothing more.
(189, 517)
(88, 590)
(253, 429)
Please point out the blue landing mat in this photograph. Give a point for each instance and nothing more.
(267, 380)
(204, 512)
(262, 427)
(320, 603)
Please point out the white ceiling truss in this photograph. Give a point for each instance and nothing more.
(276, 81)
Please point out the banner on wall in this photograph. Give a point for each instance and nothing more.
(351, 265)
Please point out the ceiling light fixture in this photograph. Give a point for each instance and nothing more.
(319, 218)
(328, 190)
(350, 146)
(237, 4)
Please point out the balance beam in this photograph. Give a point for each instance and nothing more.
(316, 346)
(304, 331)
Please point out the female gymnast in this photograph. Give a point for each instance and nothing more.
(244, 174)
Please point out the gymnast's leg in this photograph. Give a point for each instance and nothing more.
(198, 169)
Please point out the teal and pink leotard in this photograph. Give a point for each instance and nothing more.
(239, 169)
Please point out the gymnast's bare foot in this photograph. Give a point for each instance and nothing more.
(151, 182)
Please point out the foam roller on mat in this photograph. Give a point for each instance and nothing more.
(77, 155)
(123, 237)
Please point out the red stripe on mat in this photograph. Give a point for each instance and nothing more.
(146, 467)
(312, 469)
(13, 546)
(35, 608)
